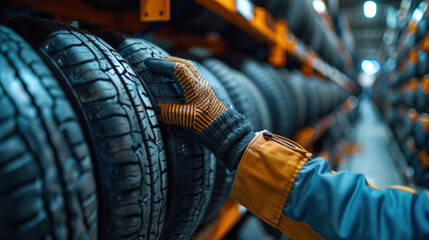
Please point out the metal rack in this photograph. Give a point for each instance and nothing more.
(254, 20)
(274, 33)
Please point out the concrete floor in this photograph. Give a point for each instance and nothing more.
(375, 160)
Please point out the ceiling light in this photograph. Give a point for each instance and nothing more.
(319, 6)
(370, 9)
(370, 67)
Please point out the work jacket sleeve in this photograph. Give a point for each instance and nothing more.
(279, 182)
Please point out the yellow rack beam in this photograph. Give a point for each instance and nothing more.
(274, 33)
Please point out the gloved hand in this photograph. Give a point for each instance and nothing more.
(222, 130)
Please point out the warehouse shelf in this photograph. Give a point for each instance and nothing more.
(254, 20)
(67, 11)
(406, 170)
(325, 16)
(306, 137)
(274, 33)
(411, 55)
(411, 29)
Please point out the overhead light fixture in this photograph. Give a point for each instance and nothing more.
(370, 67)
(319, 6)
(369, 9)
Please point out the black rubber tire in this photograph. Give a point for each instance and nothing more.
(48, 189)
(224, 178)
(191, 166)
(420, 137)
(126, 139)
(297, 14)
(325, 97)
(422, 101)
(312, 96)
(422, 28)
(422, 63)
(272, 90)
(299, 94)
(339, 95)
(216, 84)
(409, 98)
(274, 7)
(316, 41)
(242, 101)
(310, 29)
(261, 105)
(328, 51)
(221, 192)
(289, 104)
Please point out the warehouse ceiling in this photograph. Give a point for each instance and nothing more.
(368, 32)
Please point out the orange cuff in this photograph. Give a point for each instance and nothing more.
(266, 174)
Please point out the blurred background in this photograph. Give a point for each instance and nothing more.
(82, 154)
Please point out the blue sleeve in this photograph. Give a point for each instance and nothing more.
(344, 206)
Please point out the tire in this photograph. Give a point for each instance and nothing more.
(191, 166)
(421, 66)
(325, 97)
(242, 101)
(328, 51)
(422, 101)
(410, 98)
(125, 136)
(301, 101)
(261, 105)
(422, 28)
(274, 7)
(48, 189)
(310, 29)
(223, 180)
(312, 96)
(221, 191)
(289, 101)
(297, 14)
(272, 90)
(215, 84)
(316, 37)
(421, 136)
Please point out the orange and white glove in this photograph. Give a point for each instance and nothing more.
(222, 130)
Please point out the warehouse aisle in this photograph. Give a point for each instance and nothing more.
(375, 159)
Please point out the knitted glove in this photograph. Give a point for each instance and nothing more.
(222, 130)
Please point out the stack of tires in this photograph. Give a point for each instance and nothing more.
(300, 16)
(402, 93)
(82, 154)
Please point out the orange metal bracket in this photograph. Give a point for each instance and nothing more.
(127, 21)
(425, 43)
(424, 159)
(412, 56)
(154, 10)
(307, 70)
(229, 215)
(277, 56)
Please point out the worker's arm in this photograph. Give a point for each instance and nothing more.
(276, 178)
(278, 182)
